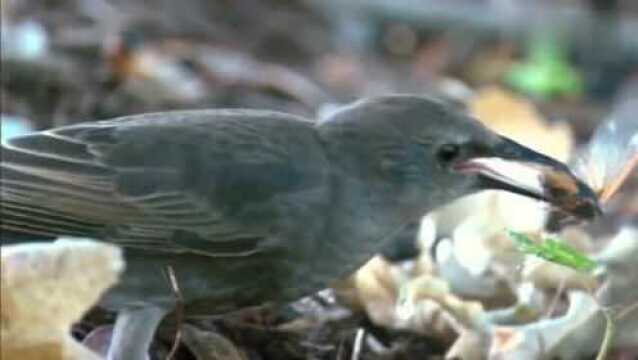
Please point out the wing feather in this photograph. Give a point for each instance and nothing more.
(145, 181)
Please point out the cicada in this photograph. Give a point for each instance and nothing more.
(608, 160)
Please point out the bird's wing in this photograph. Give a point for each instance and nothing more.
(186, 181)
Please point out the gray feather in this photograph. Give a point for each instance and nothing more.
(176, 181)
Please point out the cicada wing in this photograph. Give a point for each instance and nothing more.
(612, 153)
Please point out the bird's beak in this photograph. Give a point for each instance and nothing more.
(515, 168)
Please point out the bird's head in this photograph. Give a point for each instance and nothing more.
(421, 153)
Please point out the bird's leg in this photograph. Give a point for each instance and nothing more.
(133, 332)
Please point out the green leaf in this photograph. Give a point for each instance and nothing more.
(553, 251)
(546, 72)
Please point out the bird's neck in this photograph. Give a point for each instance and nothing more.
(363, 215)
(359, 225)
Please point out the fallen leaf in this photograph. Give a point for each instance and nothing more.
(48, 286)
(518, 119)
(207, 345)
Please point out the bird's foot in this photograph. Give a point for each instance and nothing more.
(133, 333)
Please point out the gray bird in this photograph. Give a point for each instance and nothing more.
(251, 206)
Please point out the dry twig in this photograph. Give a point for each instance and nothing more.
(179, 312)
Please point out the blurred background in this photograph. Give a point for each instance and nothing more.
(65, 61)
(545, 72)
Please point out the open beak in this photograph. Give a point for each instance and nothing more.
(515, 168)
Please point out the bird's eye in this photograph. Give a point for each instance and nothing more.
(448, 152)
